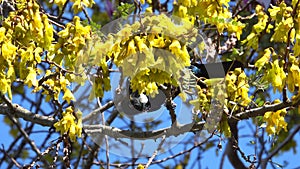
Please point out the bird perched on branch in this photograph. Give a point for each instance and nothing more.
(137, 103)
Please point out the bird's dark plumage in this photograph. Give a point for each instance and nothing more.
(214, 70)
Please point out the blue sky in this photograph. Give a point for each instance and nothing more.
(209, 158)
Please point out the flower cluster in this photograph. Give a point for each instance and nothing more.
(293, 77)
(69, 124)
(282, 15)
(258, 28)
(150, 52)
(211, 12)
(275, 75)
(71, 41)
(275, 120)
(26, 40)
(78, 4)
(25, 34)
(237, 89)
(203, 101)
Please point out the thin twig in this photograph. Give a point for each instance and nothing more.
(143, 135)
(63, 10)
(22, 131)
(246, 6)
(279, 147)
(156, 151)
(105, 137)
(27, 115)
(260, 111)
(11, 158)
(63, 70)
(87, 15)
(95, 112)
(172, 156)
(25, 135)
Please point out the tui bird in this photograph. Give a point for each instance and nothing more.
(207, 71)
(143, 103)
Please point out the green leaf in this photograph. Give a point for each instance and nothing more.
(124, 9)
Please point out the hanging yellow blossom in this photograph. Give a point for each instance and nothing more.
(69, 125)
(275, 121)
(68, 96)
(31, 78)
(264, 59)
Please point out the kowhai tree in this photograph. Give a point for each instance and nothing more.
(148, 84)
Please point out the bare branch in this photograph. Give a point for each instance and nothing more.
(98, 110)
(87, 15)
(23, 132)
(155, 152)
(174, 130)
(198, 144)
(19, 111)
(279, 147)
(11, 158)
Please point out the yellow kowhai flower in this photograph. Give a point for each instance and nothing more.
(202, 103)
(273, 11)
(182, 11)
(152, 89)
(131, 48)
(31, 78)
(60, 3)
(277, 76)
(140, 44)
(237, 87)
(158, 42)
(280, 34)
(149, 10)
(275, 121)
(140, 166)
(63, 82)
(80, 4)
(293, 77)
(230, 81)
(184, 55)
(251, 40)
(236, 28)
(69, 125)
(8, 50)
(175, 47)
(297, 45)
(68, 96)
(4, 84)
(264, 59)
(2, 34)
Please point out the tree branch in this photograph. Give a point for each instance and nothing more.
(232, 145)
(155, 152)
(9, 157)
(174, 130)
(198, 144)
(260, 111)
(21, 112)
(265, 161)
